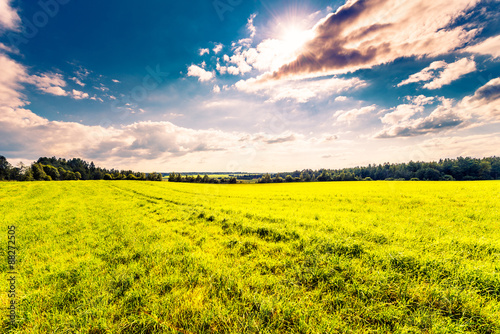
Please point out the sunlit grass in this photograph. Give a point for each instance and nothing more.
(144, 257)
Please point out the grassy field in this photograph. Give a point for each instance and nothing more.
(360, 257)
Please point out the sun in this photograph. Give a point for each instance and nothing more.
(295, 36)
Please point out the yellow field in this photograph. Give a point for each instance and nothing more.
(332, 257)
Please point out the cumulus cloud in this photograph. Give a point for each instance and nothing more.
(9, 19)
(216, 89)
(426, 74)
(443, 117)
(300, 91)
(365, 33)
(12, 76)
(200, 73)
(440, 73)
(153, 142)
(241, 64)
(484, 105)
(348, 116)
(78, 95)
(341, 98)
(49, 83)
(475, 110)
(142, 143)
(269, 55)
(53, 83)
(218, 48)
(490, 46)
(203, 51)
(404, 112)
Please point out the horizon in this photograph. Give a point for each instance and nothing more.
(271, 172)
(275, 86)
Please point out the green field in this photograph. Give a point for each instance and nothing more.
(360, 257)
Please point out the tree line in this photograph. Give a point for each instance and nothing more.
(460, 169)
(176, 177)
(54, 169)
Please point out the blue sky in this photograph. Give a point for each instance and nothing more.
(240, 85)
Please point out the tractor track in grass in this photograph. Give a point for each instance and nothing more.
(262, 232)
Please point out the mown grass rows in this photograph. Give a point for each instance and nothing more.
(128, 257)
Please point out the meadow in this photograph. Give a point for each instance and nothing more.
(331, 257)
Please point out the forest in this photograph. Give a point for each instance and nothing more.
(54, 169)
(459, 169)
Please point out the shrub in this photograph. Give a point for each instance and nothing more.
(415, 179)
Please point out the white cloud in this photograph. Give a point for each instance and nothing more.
(441, 73)
(78, 95)
(341, 98)
(475, 110)
(9, 19)
(300, 91)
(350, 115)
(203, 51)
(216, 89)
(115, 81)
(82, 73)
(5, 48)
(491, 46)
(241, 65)
(251, 28)
(49, 83)
(233, 70)
(222, 69)
(403, 112)
(196, 71)
(426, 74)
(53, 83)
(144, 145)
(218, 48)
(12, 75)
(484, 105)
(78, 81)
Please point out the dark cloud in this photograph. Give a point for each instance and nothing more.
(422, 128)
(489, 92)
(280, 140)
(365, 33)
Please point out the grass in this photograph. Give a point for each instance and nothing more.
(150, 257)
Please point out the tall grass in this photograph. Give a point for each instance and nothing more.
(143, 257)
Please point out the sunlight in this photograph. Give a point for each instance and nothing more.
(294, 37)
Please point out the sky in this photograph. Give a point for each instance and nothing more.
(249, 85)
